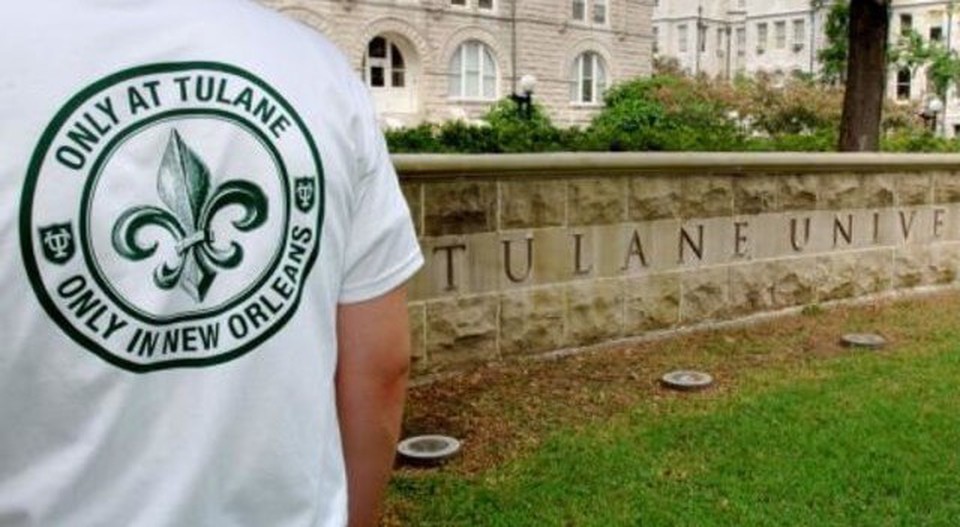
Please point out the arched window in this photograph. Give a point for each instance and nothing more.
(385, 67)
(589, 80)
(473, 72)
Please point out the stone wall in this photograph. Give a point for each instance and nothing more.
(532, 254)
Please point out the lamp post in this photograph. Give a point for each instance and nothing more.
(525, 102)
(934, 107)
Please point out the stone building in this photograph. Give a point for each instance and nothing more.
(446, 59)
(723, 38)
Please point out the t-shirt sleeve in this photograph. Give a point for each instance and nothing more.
(382, 251)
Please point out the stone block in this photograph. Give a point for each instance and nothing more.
(412, 193)
(596, 201)
(594, 312)
(839, 278)
(754, 194)
(943, 265)
(752, 288)
(652, 302)
(532, 204)
(798, 192)
(704, 295)
(554, 254)
(911, 267)
(531, 321)
(840, 191)
(796, 281)
(914, 188)
(461, 207)
(946, 187)
(874, 272)
(462, 330)
(653, 198)
(706, 197)
(878, 191)
(456, 265)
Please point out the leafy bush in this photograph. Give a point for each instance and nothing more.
(669, 112)
(664, 113)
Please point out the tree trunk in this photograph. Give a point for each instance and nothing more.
(866, 76)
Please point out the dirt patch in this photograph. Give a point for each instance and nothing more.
(503, 411)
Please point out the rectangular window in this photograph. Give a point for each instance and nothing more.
(780, 32)
(719, 42)
(906, 24)
(485, 4)
(903, 85)
(682, 38)
(579, 9)
(656, 39)
(460, 3)
(761, 37)
(586, 79)
(472, 71)
(599, 11)
(799, 32)
(702, 38)
(936, 34)
(741, 41)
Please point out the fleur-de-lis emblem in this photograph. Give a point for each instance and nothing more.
(184, 186)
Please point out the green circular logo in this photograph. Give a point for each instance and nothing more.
(172, 214)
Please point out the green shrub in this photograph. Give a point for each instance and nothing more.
(419, 139)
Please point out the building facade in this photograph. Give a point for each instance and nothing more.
(436, 60)
(724, 38)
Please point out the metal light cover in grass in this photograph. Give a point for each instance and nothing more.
(687, 380)
(863, 340)
(428, 449)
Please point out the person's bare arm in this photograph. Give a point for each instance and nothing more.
(372, 369)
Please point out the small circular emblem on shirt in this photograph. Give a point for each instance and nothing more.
(171, 215)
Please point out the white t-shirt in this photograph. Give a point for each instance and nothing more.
(187, 190)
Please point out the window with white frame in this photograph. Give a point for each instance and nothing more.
(799, 33)
(741, 41)
(780, 34)
(579, 10)
(385, 67)
(589, 78)
(761, 37)
(485, 5)
(702, 38)
(592, 11)
(599, 11)
(904, 79)
(682, 38)
(906, 24)
(473, 72)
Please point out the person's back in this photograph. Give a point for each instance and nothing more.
(188, 189)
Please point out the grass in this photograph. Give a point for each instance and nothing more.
(798, 431)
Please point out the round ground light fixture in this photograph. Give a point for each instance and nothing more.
(687, 380)
(428, 449)
(863, 340)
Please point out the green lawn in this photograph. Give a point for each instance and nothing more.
(809, 437)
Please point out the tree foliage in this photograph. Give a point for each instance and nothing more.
(833, 56)
(676, 113)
